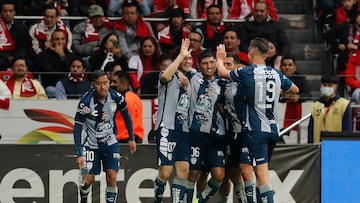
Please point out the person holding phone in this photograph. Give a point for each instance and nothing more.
(109, 52)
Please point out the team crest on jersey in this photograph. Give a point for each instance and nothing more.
(83, 109)
(193, 160)
(203, 106)
(113, 107)
(183, 106)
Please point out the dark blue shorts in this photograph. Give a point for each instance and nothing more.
(257, 147)
(108, 155)
(233, 149)
(172, 146)
(207, 151)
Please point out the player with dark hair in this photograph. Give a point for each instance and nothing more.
(207, 129)
(95, 135)
(262, 86)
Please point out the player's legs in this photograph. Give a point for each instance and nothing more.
(111, 162)
(180, 182)
(196, 158)
(232, 176)
(261, 152)
(215, 160)
(93, 163)
(161, 180)
(84, 190)
(232, 170)
(266, 193)
(111, 190)
(193, 177)
(217, 176)
(182, 153)
(247, 173)
(265, 188)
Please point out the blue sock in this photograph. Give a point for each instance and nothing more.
(211, 188)
(266, 193)
(239, 190)
(250, 191)
(84, 191)
(190, 192)
(159, 189)
(258, 198)
(178, 189)
(111, 194)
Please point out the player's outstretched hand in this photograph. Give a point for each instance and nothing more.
(132, 146)
(184, 50)
(220, 52)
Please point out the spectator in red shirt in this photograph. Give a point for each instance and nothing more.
(242, 8)
(347, 12)
(170, 37)
(232, 42)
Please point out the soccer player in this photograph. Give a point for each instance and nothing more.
(95, 134)
(172, 130)
(206, 128)
(233, 136)
(262, 87)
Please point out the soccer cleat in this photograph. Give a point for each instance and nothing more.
(196, 200)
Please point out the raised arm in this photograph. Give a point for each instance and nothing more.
(220, 57)
(170, 71)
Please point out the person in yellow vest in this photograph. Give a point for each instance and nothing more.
(120, 81)
(331, 113)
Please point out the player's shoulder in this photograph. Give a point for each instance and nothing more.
(115, 94)
(86, 98)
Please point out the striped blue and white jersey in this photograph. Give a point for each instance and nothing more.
(231, 90)
(204, 113)
(95, 120)
(262, 86)
(174, 102)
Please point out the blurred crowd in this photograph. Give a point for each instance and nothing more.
(59, 52)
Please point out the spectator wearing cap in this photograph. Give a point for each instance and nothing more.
(88, 34)
(40, 33)
(331, 113)
(115, 6)
(131, 29)
(170, 37)
(15, 36)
